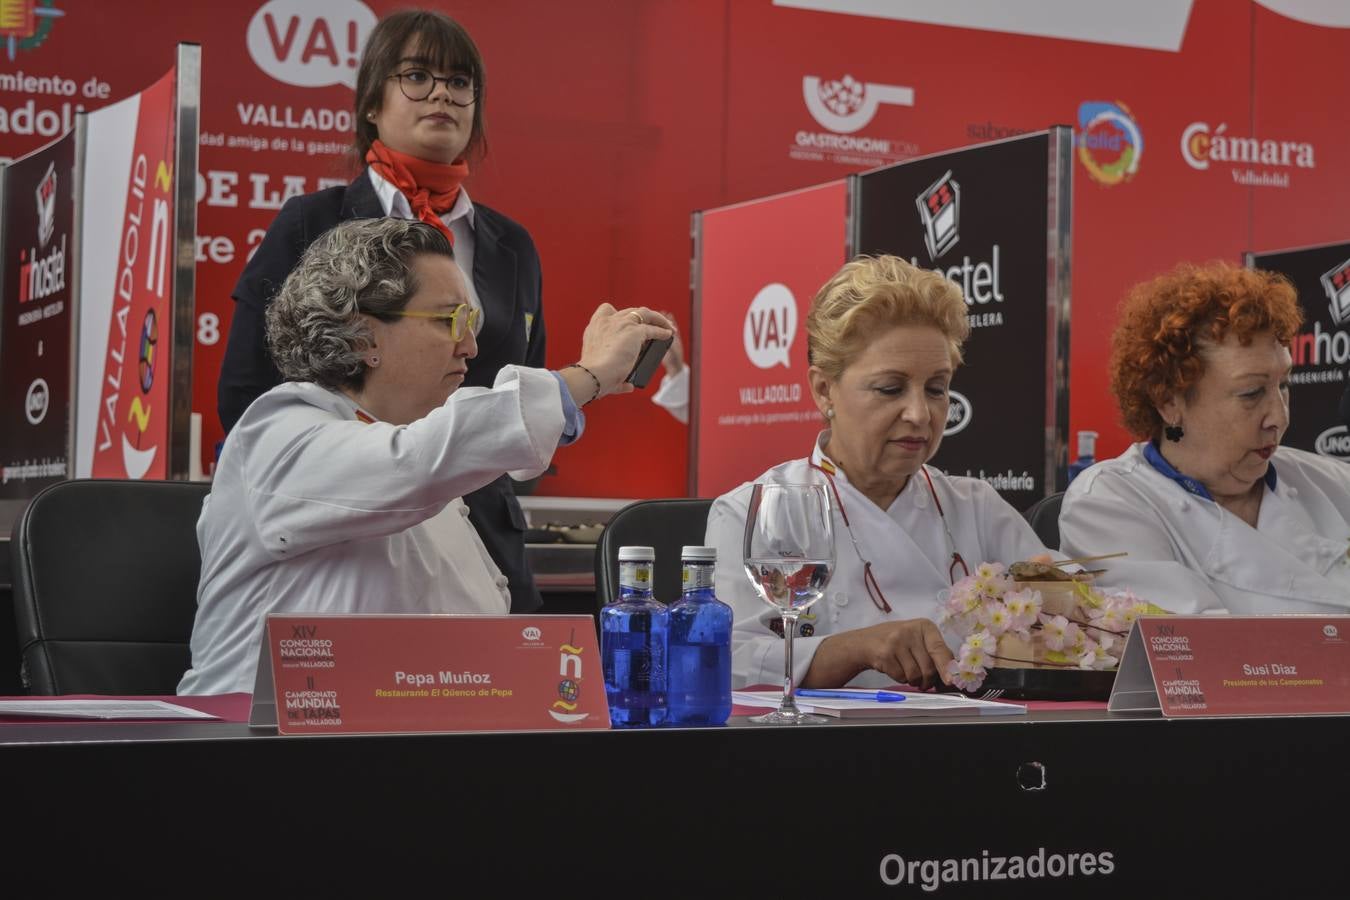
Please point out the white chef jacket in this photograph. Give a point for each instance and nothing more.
(1190, 555)
(906, 545)
(314, 510)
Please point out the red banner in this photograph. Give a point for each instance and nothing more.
(336, 674)
(603, 154)
(761, 265)
(133, 417)
(1236, 666)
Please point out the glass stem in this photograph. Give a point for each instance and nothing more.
(789, 704)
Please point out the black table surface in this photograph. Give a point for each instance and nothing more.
(1194, 807)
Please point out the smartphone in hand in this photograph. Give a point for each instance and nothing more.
(653, 351)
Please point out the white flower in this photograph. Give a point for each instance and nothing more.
(1056, 630)
(966, 678)
(995, 617)
(1097, 657)
(989, 570)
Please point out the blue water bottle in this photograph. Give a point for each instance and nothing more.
(633, 645)
(700, 646)
(1087, 446)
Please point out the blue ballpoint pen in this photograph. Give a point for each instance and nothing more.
(879, 696)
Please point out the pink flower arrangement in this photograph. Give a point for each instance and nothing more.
(984, 606)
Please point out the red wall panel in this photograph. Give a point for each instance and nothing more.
(610, 123)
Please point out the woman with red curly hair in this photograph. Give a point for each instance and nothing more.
(1214, 513)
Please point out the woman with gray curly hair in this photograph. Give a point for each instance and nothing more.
(338, 491)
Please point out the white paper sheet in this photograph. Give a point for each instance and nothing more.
(100, 709)
(914, 704)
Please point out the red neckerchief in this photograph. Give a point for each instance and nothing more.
(431, 187)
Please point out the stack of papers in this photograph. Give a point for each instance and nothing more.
(866, 707)
(99, 709)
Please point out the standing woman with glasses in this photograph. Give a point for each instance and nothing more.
(420, 99)
(883, 342)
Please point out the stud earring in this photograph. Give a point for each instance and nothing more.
(1173, 432)
(829, 413)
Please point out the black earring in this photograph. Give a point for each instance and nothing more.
(1173, 432)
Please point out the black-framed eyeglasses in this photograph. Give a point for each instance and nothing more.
(419, 84)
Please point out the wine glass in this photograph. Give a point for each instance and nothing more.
(789, 556)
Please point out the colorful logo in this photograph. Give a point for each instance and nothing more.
(1109, 141)
(25, 24)
(1337, 285)
(46, 205)
(847, 105)
(940, 211)
(569, 689)
(136, 460)
(149, 338)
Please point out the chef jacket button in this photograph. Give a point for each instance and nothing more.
(1183, 505)
(464, 510)
(840, 598)
(921, 500)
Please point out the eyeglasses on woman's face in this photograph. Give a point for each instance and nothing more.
(459, 320)
(419, 84)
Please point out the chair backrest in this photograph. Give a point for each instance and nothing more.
(666, 525)
(1043, 516)
(105, 585)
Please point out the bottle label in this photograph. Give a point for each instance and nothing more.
(696, 578)
(637, 576)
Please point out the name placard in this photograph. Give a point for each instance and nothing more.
(1236, 666)
(410, 673)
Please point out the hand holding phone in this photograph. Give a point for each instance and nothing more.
(653, 351)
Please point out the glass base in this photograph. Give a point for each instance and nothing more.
(789, 717)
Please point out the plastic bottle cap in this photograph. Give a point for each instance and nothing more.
(698, 553)
(637, 554)
(1087, 443)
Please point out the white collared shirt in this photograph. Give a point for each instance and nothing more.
(314, 510)
(1190, 555)
(460, 219)
(906, 545)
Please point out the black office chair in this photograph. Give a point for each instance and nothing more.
(1043, 515)
(666, 525)
(105, 585)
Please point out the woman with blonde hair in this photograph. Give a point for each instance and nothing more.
(884, 342)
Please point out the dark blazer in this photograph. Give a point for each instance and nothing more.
(505, 275)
